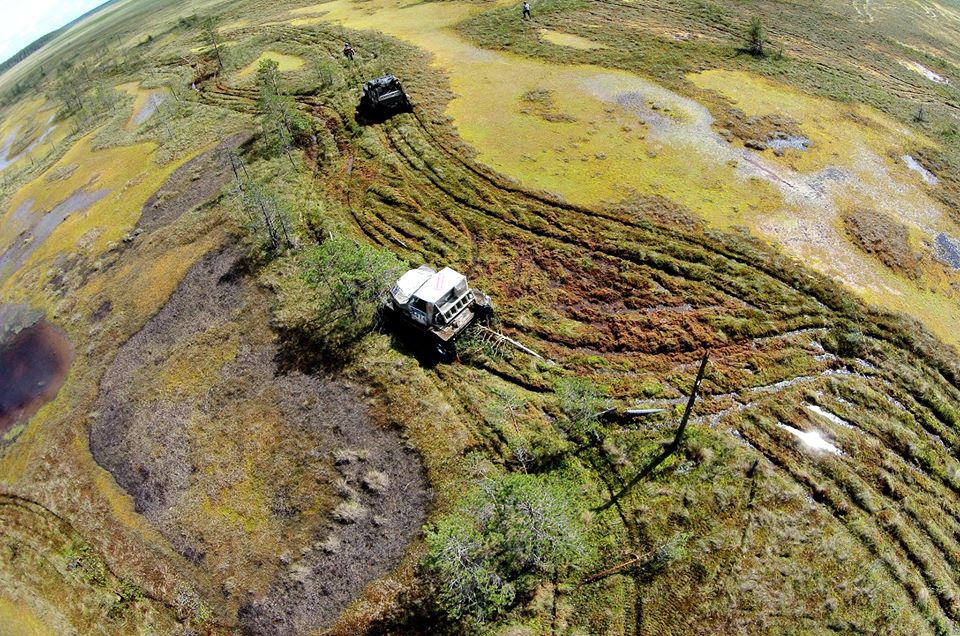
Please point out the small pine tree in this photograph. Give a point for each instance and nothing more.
(281, 120)
(209, 29)
(756, 37)
(268, 215)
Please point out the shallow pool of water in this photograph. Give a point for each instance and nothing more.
(148, 109)
(812, 439)
(949, 250)
(783, 143)
(923, 70)
(925, 174)
(34, 360)
(827, 415)
(5, 148)
(6, 160)
(32, 229)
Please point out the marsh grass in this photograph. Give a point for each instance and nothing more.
(745, 531)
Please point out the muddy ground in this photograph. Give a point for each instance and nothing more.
(193, 183)
(278, 484)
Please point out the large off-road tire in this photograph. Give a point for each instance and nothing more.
(486, 316)
(446, 351)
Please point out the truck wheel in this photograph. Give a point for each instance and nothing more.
(446, 351)
(384, 320)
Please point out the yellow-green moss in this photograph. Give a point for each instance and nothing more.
(17, 619)
(602, 152)
(128, 173)
(284, 62)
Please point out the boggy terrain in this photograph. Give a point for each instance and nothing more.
(195, 474)
(280, 484)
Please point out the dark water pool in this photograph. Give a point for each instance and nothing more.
(34, 361)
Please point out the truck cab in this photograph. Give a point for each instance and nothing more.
(438, 302)
(383, 97)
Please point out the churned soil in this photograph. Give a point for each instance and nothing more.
(279, 486)
(192, 184)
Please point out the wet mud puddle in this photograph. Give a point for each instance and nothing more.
(33, 228)
(34, 360)
(5, 158)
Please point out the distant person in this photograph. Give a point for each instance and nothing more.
(348, 50)
(526, 11)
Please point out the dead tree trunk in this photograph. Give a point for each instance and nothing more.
(670, 448)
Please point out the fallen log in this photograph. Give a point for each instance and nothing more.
(516, 344)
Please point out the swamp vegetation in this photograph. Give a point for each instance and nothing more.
(238, 449)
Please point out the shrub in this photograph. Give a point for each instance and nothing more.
(507, 534)
(329, 296)
(847, 343)
(469, 584)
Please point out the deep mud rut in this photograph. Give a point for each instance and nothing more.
(279, 486)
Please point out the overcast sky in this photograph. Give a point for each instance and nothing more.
(23, 21)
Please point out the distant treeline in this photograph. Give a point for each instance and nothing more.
(25, 52)
(22, 54)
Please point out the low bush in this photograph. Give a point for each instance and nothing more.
(329, 295)
(506, 535)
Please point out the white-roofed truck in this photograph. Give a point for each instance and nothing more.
(438, 303)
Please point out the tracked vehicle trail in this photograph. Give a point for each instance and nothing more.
(909, 537)
(40, 550)
(641, 288)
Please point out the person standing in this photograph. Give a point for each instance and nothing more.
(348, 50)
(526, 11)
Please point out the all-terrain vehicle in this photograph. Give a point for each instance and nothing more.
(382, 97)
(438, 304)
